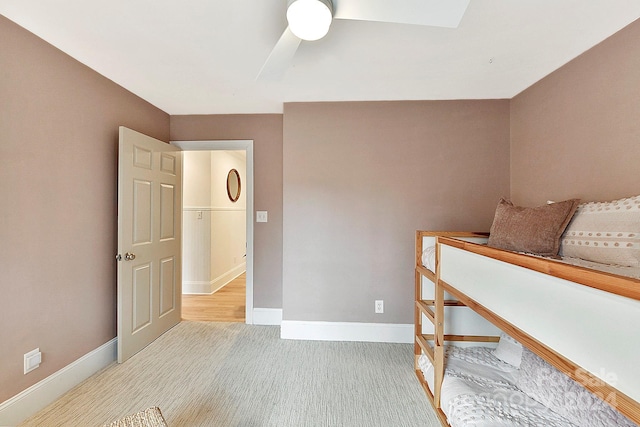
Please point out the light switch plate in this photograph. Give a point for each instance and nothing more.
(261, 216)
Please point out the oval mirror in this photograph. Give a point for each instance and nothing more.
(233, 185)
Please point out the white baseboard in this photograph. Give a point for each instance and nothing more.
(347, 331)
(196, 288)
(28, 402)
(267, 316)
(192, 287)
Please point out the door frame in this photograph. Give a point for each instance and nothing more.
(235, 145)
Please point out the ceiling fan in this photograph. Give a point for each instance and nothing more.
(310, 20)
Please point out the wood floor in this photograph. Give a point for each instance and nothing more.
(225, 305)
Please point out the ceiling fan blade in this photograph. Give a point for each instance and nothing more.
(437, 13)
(280, 58)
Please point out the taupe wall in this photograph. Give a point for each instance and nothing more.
(576, 133)
(58, 145)
(266, 132)
(361, 177)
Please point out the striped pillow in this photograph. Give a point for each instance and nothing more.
(605, 232)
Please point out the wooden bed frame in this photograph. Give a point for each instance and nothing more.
(575, 318)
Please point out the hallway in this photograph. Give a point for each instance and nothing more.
(225, 305)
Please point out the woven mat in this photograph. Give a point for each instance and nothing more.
(150, 417)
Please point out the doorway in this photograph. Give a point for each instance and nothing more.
(238, 256)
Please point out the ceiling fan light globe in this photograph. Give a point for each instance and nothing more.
(310, 19)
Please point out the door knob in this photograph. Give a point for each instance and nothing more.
(129, 256)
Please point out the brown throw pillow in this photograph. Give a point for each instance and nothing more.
(532, 230)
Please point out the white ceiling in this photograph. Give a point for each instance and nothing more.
(203, 56)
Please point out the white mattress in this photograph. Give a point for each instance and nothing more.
(479, 391)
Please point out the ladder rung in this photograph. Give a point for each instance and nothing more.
(424, 308)
(426, 347)
(448, 303)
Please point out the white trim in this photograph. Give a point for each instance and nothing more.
(347, 331)
(211, 144)
(247, 146)
(212, 209)
(267, 316)
(192, 287)
(197, 288)
(28, 402)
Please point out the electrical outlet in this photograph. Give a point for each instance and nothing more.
(379, 306)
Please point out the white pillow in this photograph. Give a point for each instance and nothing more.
(509, 350)
(605, 232)
(429, 258)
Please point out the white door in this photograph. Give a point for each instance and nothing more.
(149, 240)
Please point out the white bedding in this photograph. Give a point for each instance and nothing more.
(607, 268)
(479, 390)
(429, 258)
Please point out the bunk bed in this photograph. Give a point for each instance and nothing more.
(568, 317)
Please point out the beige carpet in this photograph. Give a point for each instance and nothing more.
(232, 374)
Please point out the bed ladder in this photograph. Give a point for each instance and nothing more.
(432, 345)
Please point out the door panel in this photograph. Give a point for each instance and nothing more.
(167, 209)
(149, 240)
(141, 297)
(142, 212)
(168, 285)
